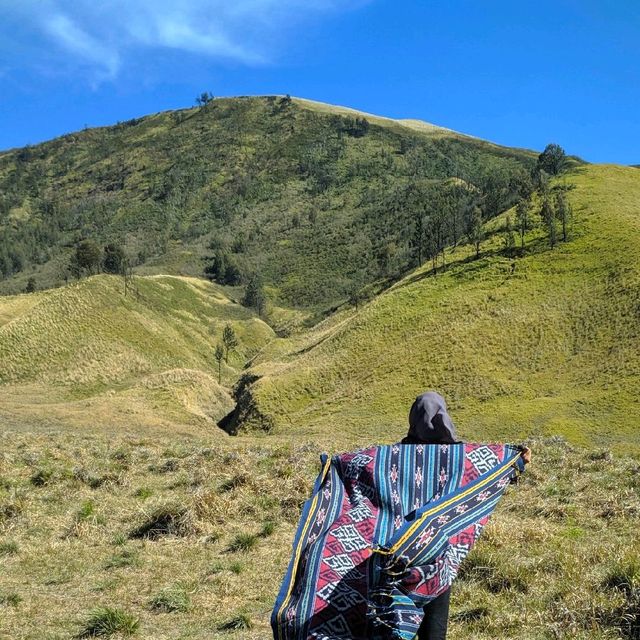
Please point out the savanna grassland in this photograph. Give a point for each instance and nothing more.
(547, 343)
(189, 538)
(126, 511)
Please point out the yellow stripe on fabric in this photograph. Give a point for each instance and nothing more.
(430, 512)
(298, 552)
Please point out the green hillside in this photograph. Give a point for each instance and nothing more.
(316, 199)
(547, 343)
(89, 355)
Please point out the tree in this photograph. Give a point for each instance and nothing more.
(86, 259)
(115, 259)
(223, 268)
(254, 296)
(523, 211)
(219, 356)
(509, 238)
(475, 231)
(563, 213)
(31, 285)
(229, 340)
(204, 99)
(549, 218)
(552, 160)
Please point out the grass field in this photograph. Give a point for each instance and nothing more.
(189, 538)
(125, 510)
(90, 356)
(544, 344)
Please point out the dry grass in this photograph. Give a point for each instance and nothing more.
(559, 559)
(87, 355)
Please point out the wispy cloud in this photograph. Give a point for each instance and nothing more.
(106, 36)
(74, 39)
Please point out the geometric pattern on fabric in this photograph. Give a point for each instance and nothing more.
(384, 533)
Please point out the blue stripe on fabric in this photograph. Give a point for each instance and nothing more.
(314, 559)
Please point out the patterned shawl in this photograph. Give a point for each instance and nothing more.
(383, 534)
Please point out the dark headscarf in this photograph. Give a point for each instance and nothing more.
(429, 422)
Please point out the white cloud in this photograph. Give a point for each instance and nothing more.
(71, 37)
(106, 35)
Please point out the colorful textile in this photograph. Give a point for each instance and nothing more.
(384, 533)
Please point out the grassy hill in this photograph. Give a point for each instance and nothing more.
(89, 355)
(109, 402)
(547, 343)
(317, 199)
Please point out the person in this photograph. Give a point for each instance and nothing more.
(430, 423)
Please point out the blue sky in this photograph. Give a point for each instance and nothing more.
(517, 73)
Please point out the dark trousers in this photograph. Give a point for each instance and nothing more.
(436, 618)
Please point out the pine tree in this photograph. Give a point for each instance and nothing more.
(229, 340)
(254, 296)
(552, 160)
(86, 259)
(563, 213)
(523, 211)
(509, 238)
(475, 231)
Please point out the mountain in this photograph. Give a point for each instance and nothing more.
(546, 343)
(317, 200)
(123, 506)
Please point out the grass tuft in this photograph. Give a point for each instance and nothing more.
(11, 599)
(170, 600)
(240, 621)
(8, 548)
(624, 576)
(105, 621)
(41, 477)
(243, 542)
(125, 558)
(166, 520)
(268, 529)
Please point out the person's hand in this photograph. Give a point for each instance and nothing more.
(526, 455)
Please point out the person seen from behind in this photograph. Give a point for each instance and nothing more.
(430, 423)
